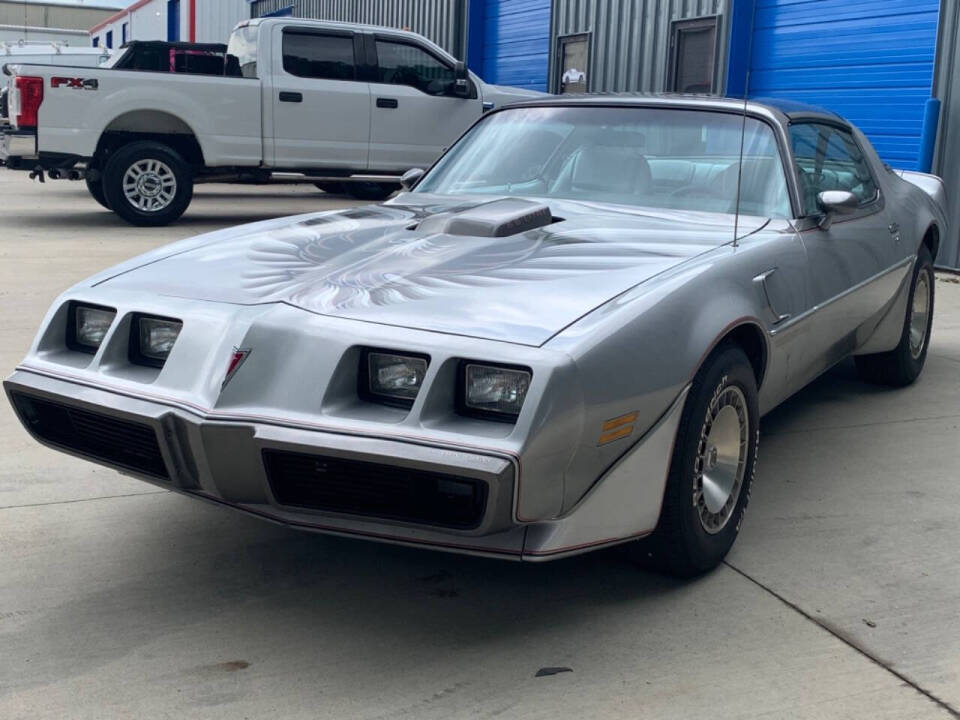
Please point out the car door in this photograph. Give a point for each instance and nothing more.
(853, 261)
(321, 106)
(414, 115)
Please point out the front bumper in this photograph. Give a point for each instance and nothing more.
(18, 147)
(225, 460)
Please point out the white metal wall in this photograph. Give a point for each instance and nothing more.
(215, 18)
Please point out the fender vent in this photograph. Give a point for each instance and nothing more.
(499, 218)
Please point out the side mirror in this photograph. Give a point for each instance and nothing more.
(836, 202)
(461, 80)
(411, 177)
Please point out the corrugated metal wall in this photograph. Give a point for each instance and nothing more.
(439, 20)
(630, 39)
(215, 20)
(871, 62)
(946, 164)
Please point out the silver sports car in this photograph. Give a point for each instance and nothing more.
(561, 337)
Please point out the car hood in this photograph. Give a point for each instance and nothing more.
(429, 262)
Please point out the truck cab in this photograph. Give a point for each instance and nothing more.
(347, 107)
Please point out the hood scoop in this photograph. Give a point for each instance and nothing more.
(499, 218)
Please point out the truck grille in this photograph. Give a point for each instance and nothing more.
(128, 444)
(355, 487)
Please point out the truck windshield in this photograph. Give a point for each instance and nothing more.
(242, 52)
(652, 157)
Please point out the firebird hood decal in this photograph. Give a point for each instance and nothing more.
(375, 264)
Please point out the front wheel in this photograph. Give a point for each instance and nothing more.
(147, 184)
(902, 365)
(712, 468)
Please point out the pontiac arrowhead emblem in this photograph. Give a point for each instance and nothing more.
(237, 358)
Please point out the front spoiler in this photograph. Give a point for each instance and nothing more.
(218, 460)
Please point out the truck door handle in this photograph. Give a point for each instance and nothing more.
(387, 103)
(287, 96)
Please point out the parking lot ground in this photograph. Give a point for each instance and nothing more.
(841, 598)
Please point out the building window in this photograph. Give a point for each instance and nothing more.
(325, 57)
(123, 32)
(96, 42)
(573, 53)
(109, 38)
(693, 48)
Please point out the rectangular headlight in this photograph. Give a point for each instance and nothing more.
(87, 326)
(392, 377)
(152, 338)
(494, 392)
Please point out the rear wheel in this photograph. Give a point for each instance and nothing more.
(712, 468)
(147, 184)
(902, 365)
(95, 187)
(370, 190)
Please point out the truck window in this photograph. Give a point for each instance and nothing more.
(242, 52)
(311, 55)
(405, 64)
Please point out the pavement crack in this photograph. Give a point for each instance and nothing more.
(849, 642)
(81, 500)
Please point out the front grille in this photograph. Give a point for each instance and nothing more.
(318, 482)
(131, 445)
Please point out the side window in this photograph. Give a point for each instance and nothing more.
(828, 158)
(402, 64)
(325, 57)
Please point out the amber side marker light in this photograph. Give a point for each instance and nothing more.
(616, 428)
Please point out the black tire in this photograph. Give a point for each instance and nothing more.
(902, 365)
(95, 187)
(330, 187)
(370, 190)
(681, 545)
(165, 211)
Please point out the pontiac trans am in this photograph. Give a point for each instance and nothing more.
(560, 337)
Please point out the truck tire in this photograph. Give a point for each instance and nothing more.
(147, 184)
(332, 188)
(95, 187)
(370, 190)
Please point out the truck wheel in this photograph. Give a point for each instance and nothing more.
(333, 188)
(95, 187)
(902, 365)
(370, 190)
(711, 472)
(147, 184)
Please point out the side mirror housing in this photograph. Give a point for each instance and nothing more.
(461, 80)
(836, 202)
(411, 177)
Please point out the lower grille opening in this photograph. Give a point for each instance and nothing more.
(355, 487)
(128, 444)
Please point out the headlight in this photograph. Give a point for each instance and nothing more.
(496, 393)
(152, 338)
(392, 378)
(87, 326)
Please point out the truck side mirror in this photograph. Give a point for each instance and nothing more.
(461, 80)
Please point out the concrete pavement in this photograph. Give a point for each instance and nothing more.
(841, 598)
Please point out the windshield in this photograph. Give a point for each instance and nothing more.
(242, 52)
(650, 157)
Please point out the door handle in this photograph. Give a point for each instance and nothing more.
(287, 96)
(387, 103)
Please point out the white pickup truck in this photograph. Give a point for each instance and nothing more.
(348, 107)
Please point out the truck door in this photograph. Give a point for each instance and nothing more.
(321, 109)
(414, 113)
